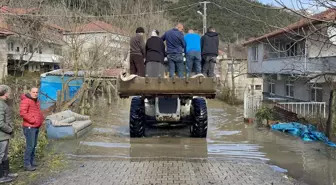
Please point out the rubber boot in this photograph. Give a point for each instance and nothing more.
(7, 171)
(4, 179)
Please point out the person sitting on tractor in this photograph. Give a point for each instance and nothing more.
(155, 54)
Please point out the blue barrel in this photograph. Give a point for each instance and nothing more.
(51, 83)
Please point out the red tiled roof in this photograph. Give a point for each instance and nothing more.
(54, 26)
(6, 9)
(97, 26)
(112, 72)
(328, 15)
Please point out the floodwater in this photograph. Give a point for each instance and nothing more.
(228, 138)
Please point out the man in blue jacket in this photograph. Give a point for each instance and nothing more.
(193, 51)
(175, 46)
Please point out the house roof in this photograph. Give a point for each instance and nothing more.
(328, 15)
(6, 9)
(6, 27)
(97, 27)
(54, 26)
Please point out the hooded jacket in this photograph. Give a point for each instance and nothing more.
(6, 123)
(30, 111)
(209, 44)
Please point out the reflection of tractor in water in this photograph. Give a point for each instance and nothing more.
(160, 101)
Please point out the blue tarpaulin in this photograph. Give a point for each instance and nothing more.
(52, 82)
(306, 132)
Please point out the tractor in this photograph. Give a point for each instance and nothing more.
(158, 101)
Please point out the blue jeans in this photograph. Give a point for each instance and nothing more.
(31, 135)
(194, 60)
(176, 60)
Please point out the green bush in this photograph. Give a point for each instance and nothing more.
(264, 113)
(226, 96)
(17, 144)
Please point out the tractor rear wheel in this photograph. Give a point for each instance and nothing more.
(137, 118)
(199, 127)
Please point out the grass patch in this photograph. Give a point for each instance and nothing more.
(48, 161)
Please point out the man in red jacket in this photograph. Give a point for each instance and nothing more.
(32, 121)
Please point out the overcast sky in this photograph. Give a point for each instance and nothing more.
(297, 4)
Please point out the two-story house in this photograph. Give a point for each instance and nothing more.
(297, 62)
(233, 72)
(26, 47)
(96, 44)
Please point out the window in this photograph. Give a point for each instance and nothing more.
(254, 53)
(235, 67)
(316, 93)
(17, 49)
(40, 49)
(271, 87)
(257, 87)
(11, 46)
(58, 51)
(31, 50)
(289, 88)
(281, 49)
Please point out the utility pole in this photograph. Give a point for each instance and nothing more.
(205, 15)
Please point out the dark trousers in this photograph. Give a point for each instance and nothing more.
(4, 150)
(154, 69)
(31, 135)
(176, 61)
(137, 65)
(193, 61)
(208, 68)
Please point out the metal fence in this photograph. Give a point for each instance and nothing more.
(305, 108)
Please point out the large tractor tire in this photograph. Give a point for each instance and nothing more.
(137, 118)
(199, 127)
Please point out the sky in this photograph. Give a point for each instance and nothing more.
(311, 5)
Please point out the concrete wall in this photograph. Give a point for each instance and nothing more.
(302, 89)
(111, 48)
(3, 58)
(47, 57)
(242, 81)
(320, 57)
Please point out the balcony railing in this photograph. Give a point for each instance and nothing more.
(305, 108)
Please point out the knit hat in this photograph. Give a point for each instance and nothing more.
(155, 33)
(140, 30)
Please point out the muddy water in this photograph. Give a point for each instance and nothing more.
(228, 138)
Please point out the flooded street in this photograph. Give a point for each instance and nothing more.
(229, 139)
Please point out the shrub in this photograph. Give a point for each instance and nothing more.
(226, 95)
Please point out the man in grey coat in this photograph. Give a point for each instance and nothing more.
(6, 132)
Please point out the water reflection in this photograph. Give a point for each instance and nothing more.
(228, 138)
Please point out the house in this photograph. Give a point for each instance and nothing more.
(297, 62)
(23, 46)
(233, 70)
(96, 44)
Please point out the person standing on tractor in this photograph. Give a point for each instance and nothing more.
(193, 52)
(155, 54)
(137, 53)
(175, 49)
(209, 47)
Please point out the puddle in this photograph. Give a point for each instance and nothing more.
(278, 169)
(228, 138)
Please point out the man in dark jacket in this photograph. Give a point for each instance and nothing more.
(209, 47)
(137, 53)
(32, 120)
(175, 48)
(155, 53)
(6, 132)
